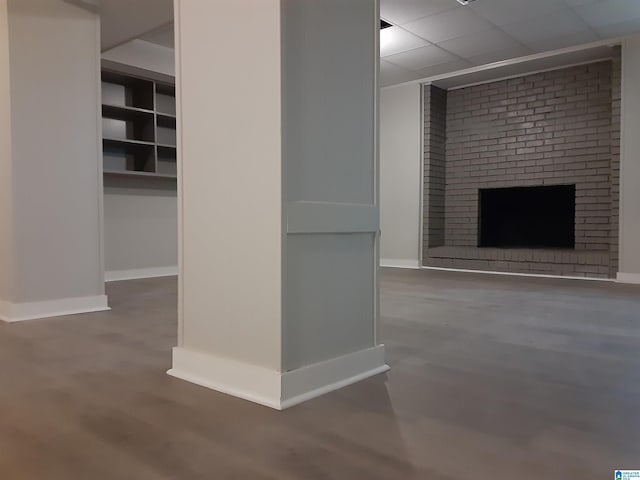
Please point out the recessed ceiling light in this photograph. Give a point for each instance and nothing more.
(386, 38)
(465, 2)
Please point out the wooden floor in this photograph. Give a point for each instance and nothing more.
(492, 378)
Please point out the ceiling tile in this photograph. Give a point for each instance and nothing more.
(396, 40)
(402, 11)
(444, 68)
(481, 43)
(539, 28)
(391, 74)
(447, 25)
(501, 12)
(619, 29)
(421, 57)
(554, 43)
(501, 55)
(609, 12)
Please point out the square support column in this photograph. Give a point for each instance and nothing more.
(50, 161)
(277, 127)
(629, 269)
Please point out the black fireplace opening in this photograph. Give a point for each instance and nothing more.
(528, 217)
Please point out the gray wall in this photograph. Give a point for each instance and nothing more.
(54, 55)
(329, 137)
(400, 167)
(140, 216)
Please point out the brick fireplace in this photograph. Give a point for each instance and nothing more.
(522, 175)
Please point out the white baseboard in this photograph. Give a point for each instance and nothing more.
(251, 382)
(628, 278)
(399, 263)
(19, 312)
(272, 388)
(314, 380)
(516, 274)
(136, 273)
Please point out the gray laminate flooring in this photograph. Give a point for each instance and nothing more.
(492, 378)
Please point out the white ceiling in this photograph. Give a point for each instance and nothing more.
(124, 20)
(161, 36)
(433, 37)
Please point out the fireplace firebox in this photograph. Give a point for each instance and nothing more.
(527, 217)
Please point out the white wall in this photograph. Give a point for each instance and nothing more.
(141, 215)
(400, 176)
(630, 163)
(6, 192)
(140, 227)
(54, 61)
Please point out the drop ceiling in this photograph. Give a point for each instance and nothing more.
(432, 37)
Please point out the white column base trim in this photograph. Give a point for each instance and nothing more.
(251, 382)
(628, 278)
(136, 273)
(19, 312)
(272, 388)
(314, 380)
(399, 263)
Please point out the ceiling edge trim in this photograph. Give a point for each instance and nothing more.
(513, 61)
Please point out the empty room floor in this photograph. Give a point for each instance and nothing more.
(493, 377)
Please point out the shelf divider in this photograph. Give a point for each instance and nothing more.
(139, 126)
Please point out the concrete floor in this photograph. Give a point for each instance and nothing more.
(492, 378)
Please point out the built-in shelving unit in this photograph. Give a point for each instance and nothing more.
(138, 126)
